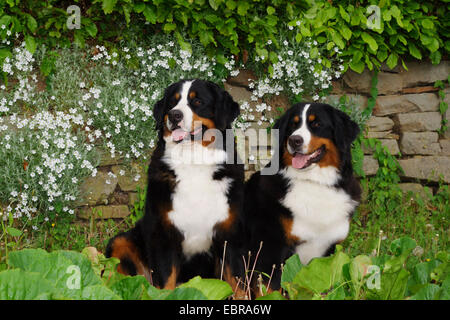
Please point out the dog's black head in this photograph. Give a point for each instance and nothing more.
(190, 107)
(315, 135)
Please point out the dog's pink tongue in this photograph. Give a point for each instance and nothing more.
(299, 161)
(178, 134)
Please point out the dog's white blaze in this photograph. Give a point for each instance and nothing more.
(199, 202)
(183, 106)
(303, 131)
(320, 211)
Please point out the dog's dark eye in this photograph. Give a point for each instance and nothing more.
(315, 124)
(197, 102)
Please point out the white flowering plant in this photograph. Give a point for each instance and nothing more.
(43, 159)
(300, 71)
(51, 132)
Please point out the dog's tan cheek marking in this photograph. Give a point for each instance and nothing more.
(166, 132)
(208, 123)
(331, 157)
(287, 157)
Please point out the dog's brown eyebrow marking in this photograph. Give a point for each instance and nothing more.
(177, 95)
(296, 119)
(192, 94)
(312, 117)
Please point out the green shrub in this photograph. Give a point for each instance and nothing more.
(406, 29)
(415, 29)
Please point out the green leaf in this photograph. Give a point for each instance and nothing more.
(185, 294)
(31, 23)
(5, 20)
(428, 292)
(336, 37)
(91, 29)
(212, 289)
(13, 232)
(403, 246)
(215, 4)
(150, 14)
(30, 44)
(392, 60)
(346, 32)
(314, 52)
(139, 7)
(322, 273)
(382, 53)
(69, 272)
(272, 296)
(131, 288)
(108, 6)
(344, 14)
(291, 267)
(427, 24)
(98, 292)
(304, 30)
(357, 66)
(270, 10)
(231, 4)
(367, 38)
(243, 6)
(435, 57)
(20, 285)
(358, 268)
(414, 51)
(169, 27)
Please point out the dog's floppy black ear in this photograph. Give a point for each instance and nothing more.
(345, 129)
(281, 125)
(226, 109)
(158, 113)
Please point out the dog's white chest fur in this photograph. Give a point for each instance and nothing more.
(199, 203)
(320, 215)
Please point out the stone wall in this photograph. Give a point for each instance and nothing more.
(405, 119)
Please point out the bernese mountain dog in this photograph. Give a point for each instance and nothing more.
(195, 192)
(306, 207)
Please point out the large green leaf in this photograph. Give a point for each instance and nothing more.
(131, 288)
(367, 38)
(20, 285)
(291, 267)
(428, 292)
(403, 246)
(272, 296)
(70, 273)
(321, 274)
(108, 6)
(186, 294)
(98, 292)
(212, 289)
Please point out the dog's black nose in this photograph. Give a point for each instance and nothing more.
(295, 141)
(175, 116)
